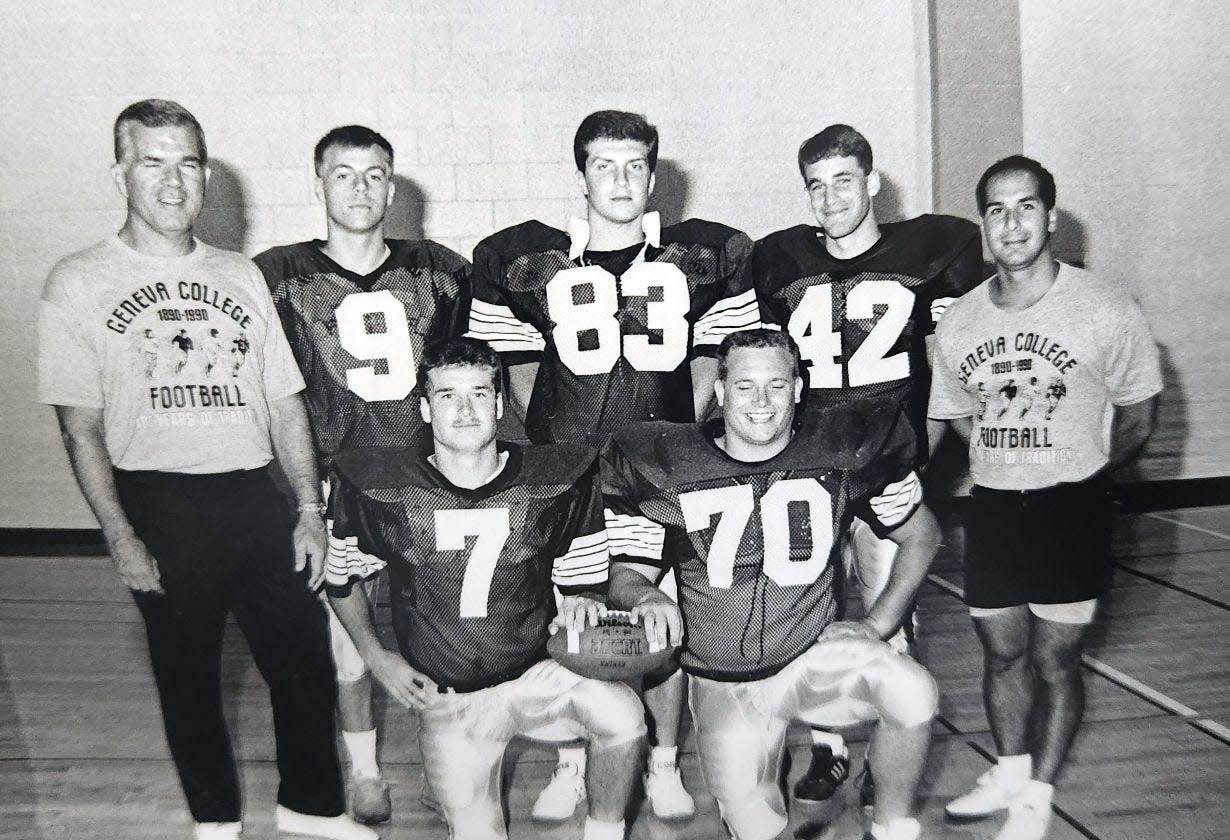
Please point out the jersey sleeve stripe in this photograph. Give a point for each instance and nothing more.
(346, 562)
(897, 502)
(938, 307)
(634, 536)
(728, 315)
(587, 561)
(501, 329)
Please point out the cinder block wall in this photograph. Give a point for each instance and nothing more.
(1125, 102)
(479, 99)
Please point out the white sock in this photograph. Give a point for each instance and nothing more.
(901, 828)
(595, 830)
(835, 742)
(1015, 770)
(574, 756)
(361, 746)
(663, 755)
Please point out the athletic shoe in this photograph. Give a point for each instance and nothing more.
(1029, 813)
(560, 798)
(867, 787)
(824, 776)
(988, 796)
(340, 827)
(369, 799)
(667, 796)
(218, 831)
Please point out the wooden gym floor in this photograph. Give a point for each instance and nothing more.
(82, 752)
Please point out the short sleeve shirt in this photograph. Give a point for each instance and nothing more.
(1040, 383)
(182, 354)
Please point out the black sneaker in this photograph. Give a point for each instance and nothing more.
(824, 776)
(867, 787)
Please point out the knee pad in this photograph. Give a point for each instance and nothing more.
(347, 663)
(905, 694)
(611, 713)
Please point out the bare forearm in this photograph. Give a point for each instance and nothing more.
(917, 540)
(83, 438)
(292, 443)
(355, 613)
(630, 585)
(1130, 428)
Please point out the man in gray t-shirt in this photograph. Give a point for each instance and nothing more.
(1031, 369)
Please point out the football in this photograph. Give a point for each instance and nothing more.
(616, 649)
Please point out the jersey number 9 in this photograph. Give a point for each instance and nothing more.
(354, 316)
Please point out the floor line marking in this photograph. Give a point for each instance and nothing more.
(1129, 683)
(1183, 524)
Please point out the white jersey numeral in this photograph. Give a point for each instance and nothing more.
(490, 529)
(392, 344)
(734, 506)
(811, 325)
(592, 312)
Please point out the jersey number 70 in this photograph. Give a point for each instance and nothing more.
(811, 326)
(734, 506)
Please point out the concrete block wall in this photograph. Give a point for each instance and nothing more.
(1125, 102)
(479, 99)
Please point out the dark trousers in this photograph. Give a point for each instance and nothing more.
(223, 544)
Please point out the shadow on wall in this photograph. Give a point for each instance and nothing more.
(405, 218)
(887, 202)
(670, 192)
(223, 222)
(1070, 242)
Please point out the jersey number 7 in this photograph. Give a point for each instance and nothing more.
(811, 326)
(734, 506)
(490, 529)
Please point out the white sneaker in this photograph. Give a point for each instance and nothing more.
(667, 796)
(341, 827)
(989, 795)
(218, 831)
(560, 798)
(1029, 813)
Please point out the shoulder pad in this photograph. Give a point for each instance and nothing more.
(526, 238)
(555, 463)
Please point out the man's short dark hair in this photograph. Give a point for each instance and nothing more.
(156, 113)
(1017, 163)
(614, 125)
(756, 339)
(836, 141)
(351, 137)
(461, 352)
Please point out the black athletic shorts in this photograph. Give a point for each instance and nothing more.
(1048, 546)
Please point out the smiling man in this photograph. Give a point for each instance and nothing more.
(861, 297)
(358, 309)
(176, 469)
(1037, 534)
(752, 510)
(615, 321)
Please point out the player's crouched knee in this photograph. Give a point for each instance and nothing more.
(611, 713)
(905, 692)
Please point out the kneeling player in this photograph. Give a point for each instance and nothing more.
(754, 511)
(475, 534)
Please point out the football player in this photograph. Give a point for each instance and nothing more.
(752, 513)
(358, 309)
(475, 533)
(861, 298)
(614, 321)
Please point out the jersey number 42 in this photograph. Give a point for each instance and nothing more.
(811, 326)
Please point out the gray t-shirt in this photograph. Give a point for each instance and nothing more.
(1040, 383)
(182, 354)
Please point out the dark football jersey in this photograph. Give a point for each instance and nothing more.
(358, 339)
(861, 323)
(613, 349)
(470, 571)
(757, 545)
